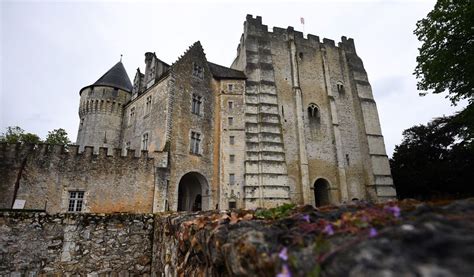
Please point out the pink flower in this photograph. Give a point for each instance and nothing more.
(395, 210)
(306, 218)
(373, 232)
(329, 230)
(285, 271)
(283, 254)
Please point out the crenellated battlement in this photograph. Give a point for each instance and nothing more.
(254, 27)
(42, 152)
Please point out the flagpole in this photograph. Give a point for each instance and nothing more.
(302, 23)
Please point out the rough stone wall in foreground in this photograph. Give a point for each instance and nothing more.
(33, 244)
(407, 238)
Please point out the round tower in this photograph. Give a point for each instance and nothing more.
(101, 109)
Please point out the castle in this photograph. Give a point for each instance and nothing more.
(292, 120)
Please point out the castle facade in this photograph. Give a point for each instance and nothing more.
(292, 120)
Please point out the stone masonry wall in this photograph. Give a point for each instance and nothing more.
(46, 174)
(33, 244)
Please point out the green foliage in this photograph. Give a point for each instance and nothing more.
(57, 136)
(446, 57)
(275, 213)
(437, 159)
(15, 134)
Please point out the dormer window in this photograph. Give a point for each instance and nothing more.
(198, 71)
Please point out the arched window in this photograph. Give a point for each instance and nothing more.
(313, 111)
(313, 115)
(340, 87)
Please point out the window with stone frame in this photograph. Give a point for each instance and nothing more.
(145, 141)
(148, 105)
(230, 121)
(198, 71)
(195, 143)
(196, 104)
(230, 87)
(231, 140)
(232, 205)
(76, 201)
(313, 114)
(231, 179)
(132, 115)
(231, 158)
(340, 87)
(231, 105)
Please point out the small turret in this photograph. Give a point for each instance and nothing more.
(101, 108)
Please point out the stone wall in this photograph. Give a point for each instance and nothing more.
(145, 120)
(199, 166)
(33, 244)
(363, 239)
(45, 174)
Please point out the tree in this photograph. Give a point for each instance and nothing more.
(57, 136)
(434, 160)
(15, 134)
(446, 57)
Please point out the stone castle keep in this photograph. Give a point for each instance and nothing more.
(292, 120)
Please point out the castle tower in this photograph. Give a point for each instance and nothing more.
(101, 108)
(313, 134)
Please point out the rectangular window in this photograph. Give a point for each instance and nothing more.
(132, 115)
(196, 104)
(232, 205)
(231, 121)
(231, 179)
(76, 199)
(232, 158)
(231, 140)
(81, 124)
(198, 71)
(148, 105)
(145, 141)
(230, 87)
(231, 105)
(195, 142)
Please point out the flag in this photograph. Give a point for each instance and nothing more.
(302, 20)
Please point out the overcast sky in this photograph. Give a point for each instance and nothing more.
(50, 50)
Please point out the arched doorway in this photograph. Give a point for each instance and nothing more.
(190, 192)
(321, 192)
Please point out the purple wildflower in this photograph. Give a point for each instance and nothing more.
(329, 230)
(285, 271)
(373, 232)
(395, 210)
(306, 218)
(283, 254)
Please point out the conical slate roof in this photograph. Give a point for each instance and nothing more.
(116, 77)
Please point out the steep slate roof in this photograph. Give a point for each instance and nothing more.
(116, 77)
(222, 72)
